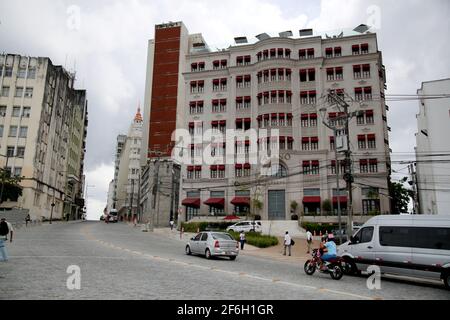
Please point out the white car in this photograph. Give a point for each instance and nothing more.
(213, 244)
(246, 226)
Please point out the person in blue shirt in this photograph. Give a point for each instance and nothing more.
(329, 248)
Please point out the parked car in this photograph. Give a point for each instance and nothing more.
(246, 226)
(213, 244)
(413, 246)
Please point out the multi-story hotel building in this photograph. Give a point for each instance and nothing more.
(282, 83)
(43, 128)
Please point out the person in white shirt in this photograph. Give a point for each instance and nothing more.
(287, 243)
(309, 238)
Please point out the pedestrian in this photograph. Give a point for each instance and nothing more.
(287, 243)
(135, 220)
(27, 219)
(309, 239)
(5, 230)
(242, 239)
(172, 223)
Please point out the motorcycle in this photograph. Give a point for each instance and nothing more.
(333, 267)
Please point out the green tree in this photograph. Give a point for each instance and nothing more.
(9, 186)
(400, 196)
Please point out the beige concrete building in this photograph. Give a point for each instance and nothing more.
(43, 126)
(128, 177)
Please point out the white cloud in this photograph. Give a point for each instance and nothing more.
(97, 181)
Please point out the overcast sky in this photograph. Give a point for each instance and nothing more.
(105, 41)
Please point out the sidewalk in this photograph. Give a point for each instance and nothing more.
(299, 255)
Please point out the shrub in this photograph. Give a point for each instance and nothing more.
(317, 227)
(258, 240)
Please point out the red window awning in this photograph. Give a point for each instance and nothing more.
(342, 199)
(224, 62)
(361, 137)
(306, 163)
(238, 166)
(305, 140)
(247, 77)
(201, 64)
(366, 67)
(329, 50)
(371, 137)
(241, 201)
(315, 163)
(337, 50)
(191, 124)
(239, 78)
(358, 90)
(201, 82)
(357, 68)
(373, 161)
(215, 202)
(312, 93)
(216, 81)
(215, 123)
(311, 199)
(221, 167)
(247, 165)
(331, 139)
(239, 99)
(198, 168)
(238, 120)
(223, 122)
(247, 120)
(313, 115)
(215, 102)
(194, 65)
(290, 139)
(363, 162)
(190, 168)
(368, 90)
(314, 139)
(247, 98)
(289, 115)
(365, 46)
(369, 112)
(305, 116)
(303, 71)
(191, 202)
(216, 62)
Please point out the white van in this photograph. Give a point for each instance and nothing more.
(414, 246)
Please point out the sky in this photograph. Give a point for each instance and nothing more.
(105, 42)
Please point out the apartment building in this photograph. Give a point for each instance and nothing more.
(128, 175)
(432, 150)
(43, 128)
(276, 83)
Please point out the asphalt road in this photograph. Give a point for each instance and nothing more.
(122, 262)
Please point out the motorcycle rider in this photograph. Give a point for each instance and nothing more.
(328, 250)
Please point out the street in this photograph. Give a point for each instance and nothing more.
(118, 261)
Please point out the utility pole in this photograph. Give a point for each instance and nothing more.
(323, 114)
(348, 176)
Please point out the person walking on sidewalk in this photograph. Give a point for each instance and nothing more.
(287, 243)
(242, 239)
(172, 223)
(5, 229)
(309, 239)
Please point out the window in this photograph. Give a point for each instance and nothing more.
(32, 73)
(362, 141)
(8, 72)
(13, 131)
(17, 172)
(2, 111)
(19, 92)
(337, 51)
(5, 91)
(23, 132)
(366, 70)
(373, 165)
(10, 151)
(20, 152)
(371, 141)
(21, 73)
(370, 206)
(308, 97)
(396, 236)
(311, 167)
(368, 93)
(16, 112)
(1, 131)
(332, 143)
(355, 49)
(369, 117)
(196, 107)
(365, 235)
(336, 73)
(357, 72)
(29, 93)
(363, 167)
(359, 94)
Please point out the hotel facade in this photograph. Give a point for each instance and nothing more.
(279, 84)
